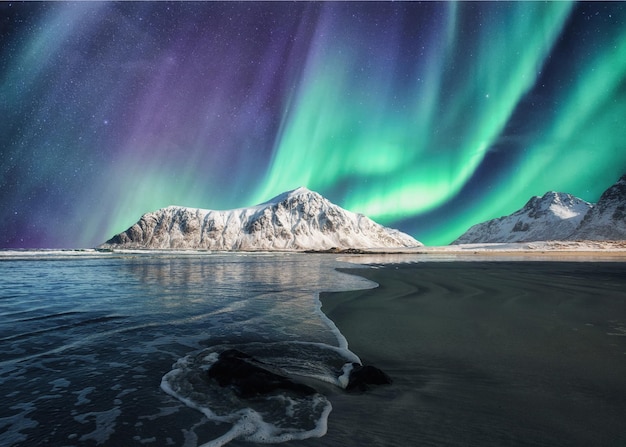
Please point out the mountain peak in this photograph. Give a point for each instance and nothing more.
(559, 204)
(299, 219)
(553, 216)
(607, 219)
(300, 191)
(558, 216)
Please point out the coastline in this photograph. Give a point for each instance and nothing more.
(488, 353)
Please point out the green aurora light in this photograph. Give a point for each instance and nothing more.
(428, 117)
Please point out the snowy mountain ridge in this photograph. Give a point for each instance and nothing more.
(558, 217)
(295, 220)
(554, 216)
(607, 219)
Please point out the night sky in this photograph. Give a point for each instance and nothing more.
(427, 117)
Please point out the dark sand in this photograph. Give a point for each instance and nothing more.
(486, 354)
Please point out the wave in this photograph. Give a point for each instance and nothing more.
(278, 416)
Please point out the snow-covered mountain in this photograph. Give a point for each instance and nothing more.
(607, 219)
(554, 216)
(296, 220)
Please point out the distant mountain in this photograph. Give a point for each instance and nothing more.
(558, 216)
(555, 216)
(296, 220)
(607, 219)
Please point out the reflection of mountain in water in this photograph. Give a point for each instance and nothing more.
(89, 339)
(266, 306)
(276, 294)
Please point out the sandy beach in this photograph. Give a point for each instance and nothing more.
(486, 354)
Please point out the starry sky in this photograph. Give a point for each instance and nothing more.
(427, 117)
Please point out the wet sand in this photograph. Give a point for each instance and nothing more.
(486, 354)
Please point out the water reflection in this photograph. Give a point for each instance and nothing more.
(88, 339)
(264, 296)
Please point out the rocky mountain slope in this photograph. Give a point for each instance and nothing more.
(558, 216)
(607, 219)
(551, 217)
(296, 220)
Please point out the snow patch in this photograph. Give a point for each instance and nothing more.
(551, 217)
(293, 221)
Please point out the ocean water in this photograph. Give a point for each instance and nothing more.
(112, 349)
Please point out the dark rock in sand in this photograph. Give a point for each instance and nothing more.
(250, 377)
(362, 376)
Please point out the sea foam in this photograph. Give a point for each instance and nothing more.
(272, 418)
(87, 335)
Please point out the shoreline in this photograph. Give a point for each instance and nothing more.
(615, 248)
(489, 353)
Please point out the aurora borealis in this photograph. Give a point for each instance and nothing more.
(428, 117)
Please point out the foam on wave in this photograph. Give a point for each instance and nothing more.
(273, 418)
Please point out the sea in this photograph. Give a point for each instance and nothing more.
(115, 348)
(112, 349)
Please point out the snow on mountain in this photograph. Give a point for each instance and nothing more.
(607, 219)
(551, 217)
(296, 220)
